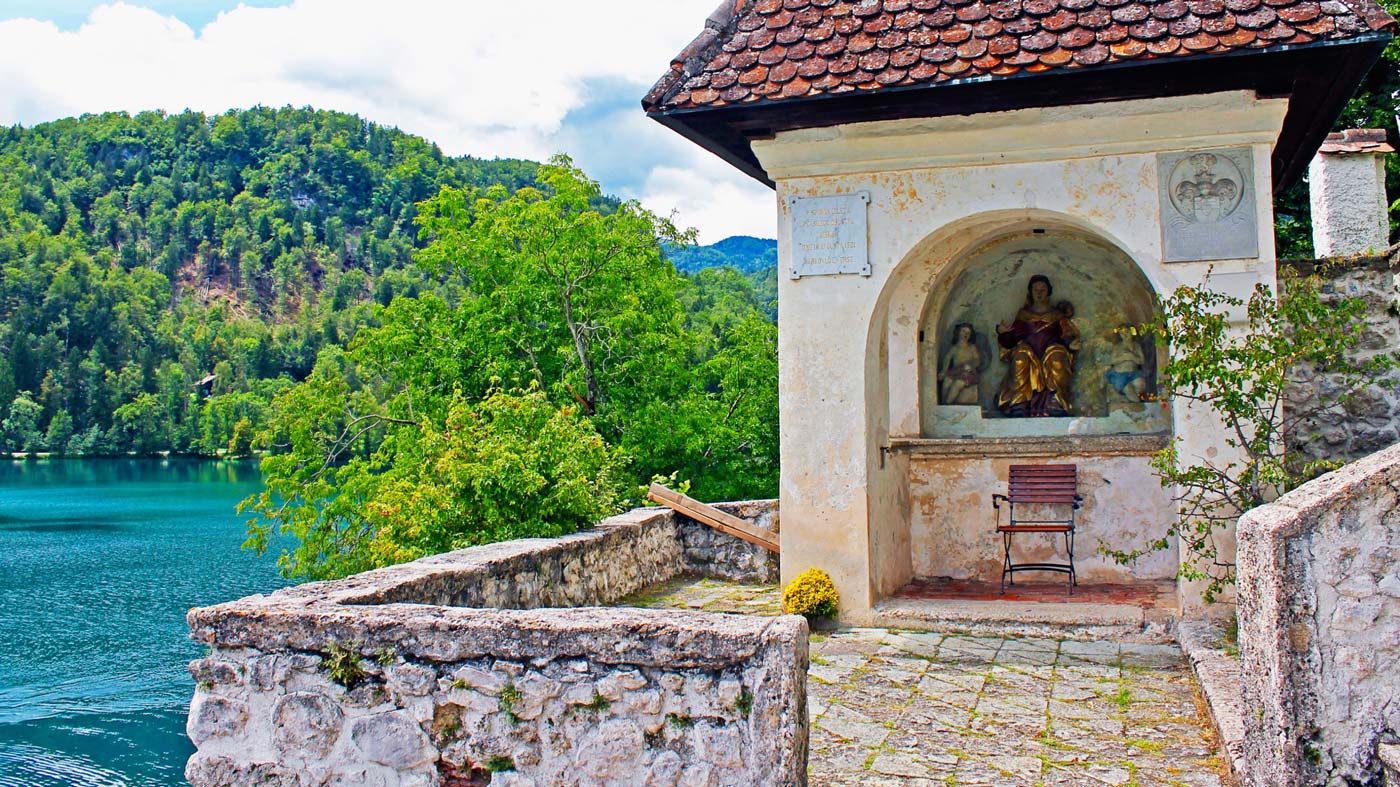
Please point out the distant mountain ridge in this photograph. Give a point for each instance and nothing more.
(744, 253)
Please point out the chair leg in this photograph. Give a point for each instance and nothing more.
(1069, 547)
(1006, 562)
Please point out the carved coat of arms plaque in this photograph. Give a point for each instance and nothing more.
(1207, 204)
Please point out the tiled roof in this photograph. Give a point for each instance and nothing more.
(1356, 140)
(790, 49)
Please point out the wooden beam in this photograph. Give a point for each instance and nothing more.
(715, 518)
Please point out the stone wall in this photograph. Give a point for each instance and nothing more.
(1319, 608)
(1371, 421)
(443, 672)
(711, 553)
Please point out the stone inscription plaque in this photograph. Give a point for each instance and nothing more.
(829, 235)
(1207, 203)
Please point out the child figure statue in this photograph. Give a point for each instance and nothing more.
(1125, 368)
(961, 367)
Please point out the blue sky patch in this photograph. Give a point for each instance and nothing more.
(70, 14)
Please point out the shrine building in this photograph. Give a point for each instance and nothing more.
(977, 200)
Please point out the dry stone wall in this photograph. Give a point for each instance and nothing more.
(440, 672)
(1319, 611)
(1371, 420)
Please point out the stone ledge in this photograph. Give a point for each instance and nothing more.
(1064, 620)
(1221, 683)
(607, 635)
(1059, 445)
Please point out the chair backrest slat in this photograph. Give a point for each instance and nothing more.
(1043, 483)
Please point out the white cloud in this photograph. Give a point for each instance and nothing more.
(711, 195)
(480, 78)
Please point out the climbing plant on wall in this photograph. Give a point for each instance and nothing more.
(1239, 373)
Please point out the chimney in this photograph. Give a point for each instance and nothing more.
(1347, 190)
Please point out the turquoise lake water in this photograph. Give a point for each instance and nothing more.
(99, 561)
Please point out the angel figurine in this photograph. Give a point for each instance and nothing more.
(1125, 375)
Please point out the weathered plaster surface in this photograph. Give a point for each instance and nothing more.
(849, 356)
(1349, 205)
(404, 676)
(1319, 610)
(954, 530)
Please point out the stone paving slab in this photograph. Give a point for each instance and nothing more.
(919, 709)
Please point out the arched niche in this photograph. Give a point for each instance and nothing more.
(987, 285)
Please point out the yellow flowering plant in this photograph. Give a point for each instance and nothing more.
(813, 594)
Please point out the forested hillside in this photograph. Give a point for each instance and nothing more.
(140, 255)
(741, 252)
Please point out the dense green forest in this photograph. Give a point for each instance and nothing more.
(164, 277)
(741, 252)
(140, 255)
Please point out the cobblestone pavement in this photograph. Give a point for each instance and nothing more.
(711, 595)
(913, 709)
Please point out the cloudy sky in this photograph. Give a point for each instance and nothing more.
(523, 78)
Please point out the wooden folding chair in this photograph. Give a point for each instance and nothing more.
(1039, 485)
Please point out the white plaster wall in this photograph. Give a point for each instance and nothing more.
(953, 532)
(1347, 192)
(939, 188)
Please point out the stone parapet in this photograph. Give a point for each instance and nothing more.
(439, 672)
(1319, 605)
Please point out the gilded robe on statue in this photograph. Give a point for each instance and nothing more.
(1039, 346)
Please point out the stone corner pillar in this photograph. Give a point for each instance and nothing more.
(1347, 190)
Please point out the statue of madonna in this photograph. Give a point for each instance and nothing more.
(1040, 345)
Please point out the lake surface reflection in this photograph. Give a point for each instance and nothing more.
(99, 561)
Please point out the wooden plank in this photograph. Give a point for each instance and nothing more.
(715, 518)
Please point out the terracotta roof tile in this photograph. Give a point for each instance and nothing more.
(1148, 30)
(1076, 38)
(1112, 34)
(1136, 12)
(904, 58)
(1187, 25)
(1005, 45)
(1357, 140)
(790, 49)
(1020, 25)
(955, 34)
(1224, 25)
(1258, 19)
